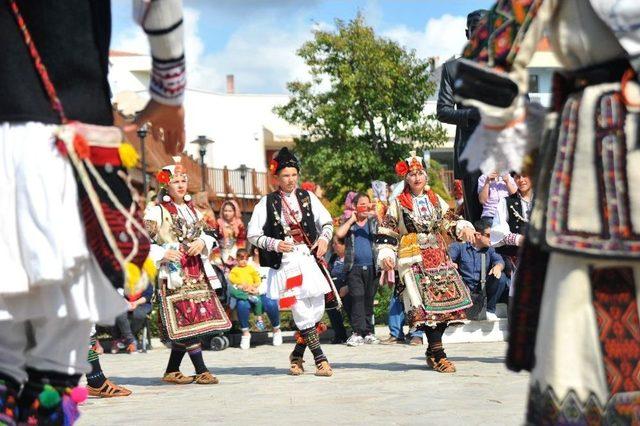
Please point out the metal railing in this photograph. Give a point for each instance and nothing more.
(235, 183)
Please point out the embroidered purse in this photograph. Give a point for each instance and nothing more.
(111, 218)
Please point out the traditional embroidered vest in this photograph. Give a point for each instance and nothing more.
(516, 224)
(273, 226)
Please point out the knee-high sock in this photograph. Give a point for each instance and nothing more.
(434, 337)
(195, 353)
(312, 340)
(298, 350)
(175, 359)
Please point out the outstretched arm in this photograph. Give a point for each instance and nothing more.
(162, 21)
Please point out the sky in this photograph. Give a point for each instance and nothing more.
(256, 40)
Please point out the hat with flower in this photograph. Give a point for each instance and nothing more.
(283, 159)
(170, 172)
(411, 164)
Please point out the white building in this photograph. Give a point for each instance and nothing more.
(244, 127)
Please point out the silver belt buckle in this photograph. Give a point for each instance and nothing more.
(364, 268)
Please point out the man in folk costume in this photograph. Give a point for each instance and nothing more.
(290, 227)
(189, 307)
(412, 237)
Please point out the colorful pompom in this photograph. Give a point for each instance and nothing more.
(128, 155)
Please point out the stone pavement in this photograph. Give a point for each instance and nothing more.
(372, 385)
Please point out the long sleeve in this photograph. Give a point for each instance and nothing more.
(255, 275)
(500, 226)
(209, 241)
(162, 21)
(446, 110)
(495, 258)
(323, 219)
(235, 276)
(152, 220)
(388, 236)
(255, 234)
(454, 252)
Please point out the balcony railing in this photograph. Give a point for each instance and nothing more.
(230, 182)
(234, 183)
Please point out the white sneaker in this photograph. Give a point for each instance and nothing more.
(277, 338)
(370, 339)
(355, 340)
(492, 317)
(245, 342)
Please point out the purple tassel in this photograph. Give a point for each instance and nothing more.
(70, 410)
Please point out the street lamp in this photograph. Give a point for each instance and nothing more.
(202, 142)
(243, 175)
(142, 133)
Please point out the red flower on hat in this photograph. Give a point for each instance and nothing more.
(402, 168)
(81, 146)
(163, 177)
(273, 166)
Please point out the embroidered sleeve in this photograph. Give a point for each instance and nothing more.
(388, 234)
(255, 234)
(152, 220)
(162, 21)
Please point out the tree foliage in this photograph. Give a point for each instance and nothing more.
(363, 108)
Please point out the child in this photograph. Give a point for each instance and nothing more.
(246, 280)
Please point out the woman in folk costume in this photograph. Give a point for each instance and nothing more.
(233, 234)
(290, 227)
(189, 307)
(411, 238)
(575, 320)
(55, 88)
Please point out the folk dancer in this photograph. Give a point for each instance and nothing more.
(290, 226)
(189, 307)
(413, 238)
(575, 320)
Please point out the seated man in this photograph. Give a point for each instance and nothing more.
(469, 258)
(129, 324)
(339, 277)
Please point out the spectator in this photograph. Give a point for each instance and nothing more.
(245, 291)
(512, 217)
(339, 277)
(233, 234)
(469, 259)
(492, 188)
(360, 253)
(270, 306)
(130, 323)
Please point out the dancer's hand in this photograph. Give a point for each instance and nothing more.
(172, 255)
(285, 247)
(388, 264)
(195, 247)
(321, 245)
(167, 125)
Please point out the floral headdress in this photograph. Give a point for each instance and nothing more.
(411, 164)
(170, 172)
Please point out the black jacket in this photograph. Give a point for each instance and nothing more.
(449, 112)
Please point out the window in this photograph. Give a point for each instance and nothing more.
(533, 83)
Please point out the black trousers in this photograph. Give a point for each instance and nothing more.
(362, 289)
(337, 319)
(472, 206)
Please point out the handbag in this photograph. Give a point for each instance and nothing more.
(111, 217)
(476, 81)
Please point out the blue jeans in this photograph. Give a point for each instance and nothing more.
(270, 306)
(497, 291)
(396, 319)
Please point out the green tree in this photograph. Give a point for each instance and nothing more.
(363, 108)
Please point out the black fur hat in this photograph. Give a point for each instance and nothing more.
(283, 159)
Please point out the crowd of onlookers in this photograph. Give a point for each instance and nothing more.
(486, 264)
